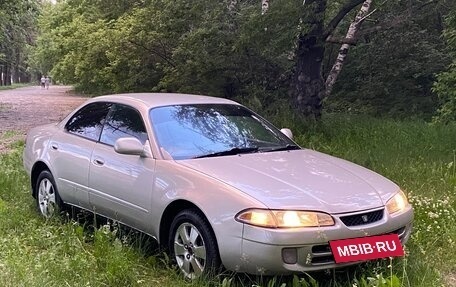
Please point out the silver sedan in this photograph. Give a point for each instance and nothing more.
(213, 182)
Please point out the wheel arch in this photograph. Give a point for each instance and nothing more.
(170, 213)
(37, 168)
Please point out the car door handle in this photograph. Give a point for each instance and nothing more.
(54, 146)
(98, 161)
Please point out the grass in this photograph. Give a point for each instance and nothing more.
(418, 156)
(9, 140)
(15, 86)
(61, 252)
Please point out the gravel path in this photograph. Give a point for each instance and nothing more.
(24, 108)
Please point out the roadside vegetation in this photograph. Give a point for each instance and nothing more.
(14, 86)
(420, 157)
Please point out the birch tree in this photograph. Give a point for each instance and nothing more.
(343, 51)
(264, 6)
(308, 87)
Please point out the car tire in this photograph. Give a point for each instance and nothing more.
(48, 199)
(193, 246)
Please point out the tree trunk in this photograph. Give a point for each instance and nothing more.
(1, 74)
(15, 74)
(308, 84)
(264, 6)
(16, 67)
(7, 74)
(343, 51)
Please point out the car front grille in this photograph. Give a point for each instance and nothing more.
(362, 218)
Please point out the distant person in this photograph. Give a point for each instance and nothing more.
(46, 82)
(43, 82)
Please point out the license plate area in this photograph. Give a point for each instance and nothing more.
(366, 248)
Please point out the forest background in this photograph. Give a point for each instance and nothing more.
(401, 63)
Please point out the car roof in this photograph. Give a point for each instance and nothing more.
(151, 100)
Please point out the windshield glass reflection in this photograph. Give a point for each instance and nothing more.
(189, 131)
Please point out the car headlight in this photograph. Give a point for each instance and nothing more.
(397, 203)
(284, 218)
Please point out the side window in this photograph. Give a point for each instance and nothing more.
(122, 122)
(88, 121)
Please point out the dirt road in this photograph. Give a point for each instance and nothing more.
(24, 108)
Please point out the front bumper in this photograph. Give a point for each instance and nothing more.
(263, 250)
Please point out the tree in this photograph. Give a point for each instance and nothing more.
(323, 21)
(17, 25)
(308, 85)
(445, 86)
(274, 56)
(76, 40)
(392, 68)
(343, 51)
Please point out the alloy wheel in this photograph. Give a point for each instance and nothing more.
(46, 198)
(190, 250)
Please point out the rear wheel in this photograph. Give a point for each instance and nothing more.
(192, 245)
(47, 197)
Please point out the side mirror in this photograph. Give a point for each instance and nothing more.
(130, 145)
(287, 132)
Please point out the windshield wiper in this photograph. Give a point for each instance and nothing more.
(233, 151)
(282, 148)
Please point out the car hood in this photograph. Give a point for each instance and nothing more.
(299, 179)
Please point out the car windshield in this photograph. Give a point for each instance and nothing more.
(206, 130)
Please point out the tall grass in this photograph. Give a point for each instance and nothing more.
(418, 156)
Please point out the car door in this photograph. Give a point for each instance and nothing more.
(121, 185)
(71, 150)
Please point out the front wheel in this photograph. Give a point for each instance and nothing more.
(47, 197)
(193, 245)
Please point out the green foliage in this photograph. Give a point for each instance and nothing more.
(445, 86)
(13, 86)
(17, 31)
(72, 47)
(200, 47)
(378, 281)
(391, 71)
(203, 47)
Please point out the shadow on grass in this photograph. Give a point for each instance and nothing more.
(91, 222)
